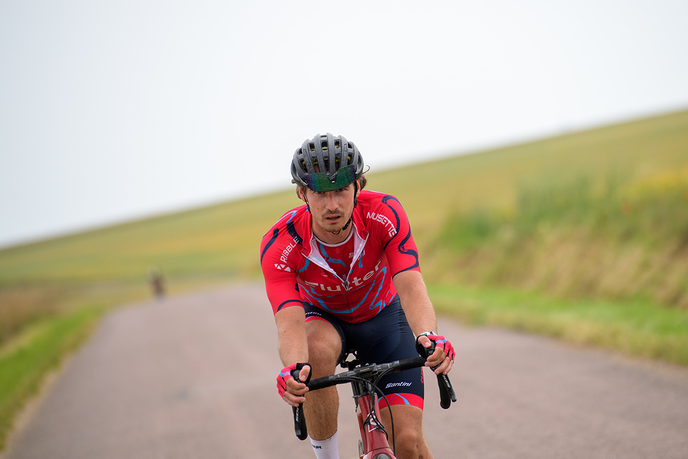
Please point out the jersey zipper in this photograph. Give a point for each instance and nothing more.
(359, 245)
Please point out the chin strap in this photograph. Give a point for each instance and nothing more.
(336, 233)
(308, 205)
(351, 219)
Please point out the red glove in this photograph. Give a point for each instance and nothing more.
(285, 374)
(444, 344)
(441, 342)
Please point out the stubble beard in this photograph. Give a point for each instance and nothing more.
(340, 223)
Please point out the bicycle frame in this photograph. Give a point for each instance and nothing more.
(373, 436)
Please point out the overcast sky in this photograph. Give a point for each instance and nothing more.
(113, 110)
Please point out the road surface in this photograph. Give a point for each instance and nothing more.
(194, 377)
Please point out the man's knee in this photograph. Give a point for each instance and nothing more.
(408, 432)
(324, 346)
(321, 356)
(409, 442)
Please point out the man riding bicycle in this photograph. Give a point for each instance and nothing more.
(342, 275)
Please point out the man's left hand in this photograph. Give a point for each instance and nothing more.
(442, 360)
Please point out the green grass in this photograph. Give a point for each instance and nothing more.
(614, 238)
(636, 328)
(617, 208)
(580, 236)
(225, 237)
(26, 360)
(431, 192)
(220, 238)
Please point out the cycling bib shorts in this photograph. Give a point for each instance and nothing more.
(385, 338)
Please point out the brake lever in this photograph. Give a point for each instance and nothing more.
(299, 419)
(447, 395)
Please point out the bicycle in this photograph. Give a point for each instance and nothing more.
(373, 443)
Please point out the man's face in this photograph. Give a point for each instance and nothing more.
(331, 210)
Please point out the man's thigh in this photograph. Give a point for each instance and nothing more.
(407, 418)
(324, 347)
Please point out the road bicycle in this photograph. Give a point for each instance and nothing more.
(373, 443)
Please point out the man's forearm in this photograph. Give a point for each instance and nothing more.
(291, 334)
(420, 313)
(415, 302)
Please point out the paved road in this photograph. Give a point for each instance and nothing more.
(193, 377)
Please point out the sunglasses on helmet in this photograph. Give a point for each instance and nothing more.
(319, 181)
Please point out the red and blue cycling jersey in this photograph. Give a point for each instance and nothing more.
(296, 271)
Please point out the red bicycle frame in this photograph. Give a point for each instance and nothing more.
(373, 437)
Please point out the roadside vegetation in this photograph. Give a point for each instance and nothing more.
(25, 363)
(613, 239)
(635, 327)
(583, 237)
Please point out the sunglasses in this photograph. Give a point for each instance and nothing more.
(319, 181)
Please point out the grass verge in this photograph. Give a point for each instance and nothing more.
(639, 328)
(31, 355)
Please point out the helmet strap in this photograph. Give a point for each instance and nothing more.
(305, 199)
(336, 233)
(355, 195)
(351, 219)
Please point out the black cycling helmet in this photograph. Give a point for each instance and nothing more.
(338, 163)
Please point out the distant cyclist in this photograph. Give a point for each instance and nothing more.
(342, 274)
(157, 282)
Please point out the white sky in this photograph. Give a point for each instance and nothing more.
(113, 110)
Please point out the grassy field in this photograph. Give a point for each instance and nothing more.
(583, 237)
(621, 239)
(639, 328)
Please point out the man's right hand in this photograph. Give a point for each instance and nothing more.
(291, 390)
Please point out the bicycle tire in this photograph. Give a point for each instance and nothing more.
(382, 456)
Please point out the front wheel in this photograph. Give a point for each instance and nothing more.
(382, 456)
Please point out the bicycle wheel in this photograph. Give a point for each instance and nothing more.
(382, 456)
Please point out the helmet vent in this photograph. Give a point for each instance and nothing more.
(325, 154)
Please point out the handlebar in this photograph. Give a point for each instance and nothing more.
(447, 395)
(370, 373)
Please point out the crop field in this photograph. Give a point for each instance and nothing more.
(582, 236)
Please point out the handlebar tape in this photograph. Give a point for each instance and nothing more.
(299, 423)
(299, 418)
(447, 395)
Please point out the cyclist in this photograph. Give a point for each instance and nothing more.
(342, 274)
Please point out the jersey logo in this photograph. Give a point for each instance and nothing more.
(286, 252)
(283, 267)
(389, 226)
